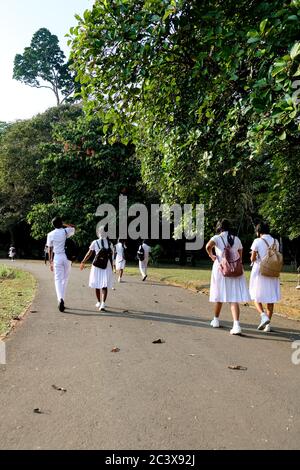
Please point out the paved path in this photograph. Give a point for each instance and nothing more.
(176, 395)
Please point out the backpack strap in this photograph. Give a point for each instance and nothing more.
(267, 242)
(223, 241)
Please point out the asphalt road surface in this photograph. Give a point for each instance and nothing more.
(179, 394)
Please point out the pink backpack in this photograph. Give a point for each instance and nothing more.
(231, 263)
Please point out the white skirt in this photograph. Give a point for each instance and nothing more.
(120, 263)
(263, 289)
(227, 289)
(101, 278)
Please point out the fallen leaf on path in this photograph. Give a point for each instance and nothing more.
(38, 411)
(17, 318)
(158, 341)
(60, 389)
(115, 350)
(237, 367)
(192, 355)
(125, 311)
(33, 311)
(156, 301)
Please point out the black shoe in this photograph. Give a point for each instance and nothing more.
(61, 306)
(144, 278)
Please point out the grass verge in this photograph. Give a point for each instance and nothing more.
(17, 289)
(198, 279)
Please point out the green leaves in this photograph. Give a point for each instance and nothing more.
(295, 50)
(185, 79)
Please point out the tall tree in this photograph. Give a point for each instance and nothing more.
(206, 92)
(83, 171)
(21, 154)
(43, 65)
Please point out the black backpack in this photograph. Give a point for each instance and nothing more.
(102, 257)
(71, 249)
(141, 253)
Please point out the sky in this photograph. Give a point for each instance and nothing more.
(19, 20)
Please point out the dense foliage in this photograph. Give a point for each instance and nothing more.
(207, 91)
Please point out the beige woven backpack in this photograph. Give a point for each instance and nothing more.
(272, 263)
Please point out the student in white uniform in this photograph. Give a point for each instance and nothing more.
(120, 261)
(263, 289)
(59, 262)
(100, 279)
(231, 290)
(143, 256)
(12, 253)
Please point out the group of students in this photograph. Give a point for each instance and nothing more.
(107, 258)
(228, 282)
(263, 288)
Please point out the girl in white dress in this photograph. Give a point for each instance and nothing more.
(120, 258)
(100, 279)
(231, 290)
(263, 289)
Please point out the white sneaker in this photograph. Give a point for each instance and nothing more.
(98, 304)
(236, 330)
(264, 321)
(119, 279)
(267, 329)
(102, 307)
(215, 323)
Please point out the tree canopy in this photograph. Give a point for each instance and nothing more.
(207, 92)
(43, 65)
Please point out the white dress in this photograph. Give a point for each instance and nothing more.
(263, 289)
(226, 289)
(120, 258)
(143, 265)
(100, 278)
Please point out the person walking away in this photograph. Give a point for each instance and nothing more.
(143, 257)
(12, 253)
(264, 289)
(101, 278)
(228, 282)
(46, 254)
(59, 263)
(120, 260)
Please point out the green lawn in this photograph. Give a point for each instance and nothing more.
(199, 279)
(17, 289)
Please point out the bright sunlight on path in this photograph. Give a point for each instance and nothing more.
(176, 395)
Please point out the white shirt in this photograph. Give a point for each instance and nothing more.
(96, 245)
(147, 250)
(119, 251)
(57, 239)
(260, 246)
(219, 245)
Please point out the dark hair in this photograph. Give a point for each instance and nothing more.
(57, 222)
(262, 228)
(224, 226)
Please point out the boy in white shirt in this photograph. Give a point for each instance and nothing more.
(59, 263)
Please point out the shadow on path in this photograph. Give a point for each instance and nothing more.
(249, 331)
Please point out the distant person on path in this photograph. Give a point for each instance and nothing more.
(143, 257)
(231, 290)
(12, 253)
(59, 263)
(46, 254)
(120, 260)
(101, 278)
(263, 289)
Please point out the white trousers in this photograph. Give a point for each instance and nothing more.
(62, 269)
(143, 265)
